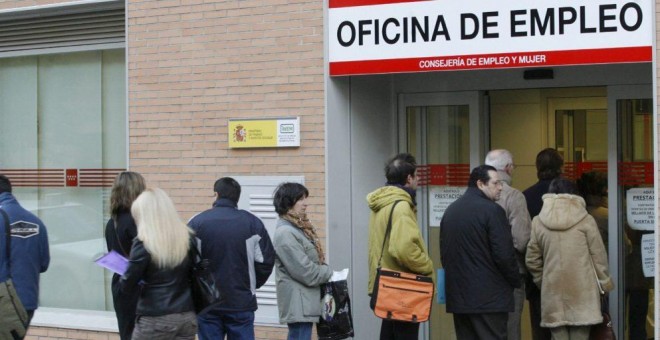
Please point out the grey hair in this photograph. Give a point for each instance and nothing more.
(499, 159)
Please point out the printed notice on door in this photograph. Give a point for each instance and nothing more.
(648, 254)
(641, 210)
(439, 199)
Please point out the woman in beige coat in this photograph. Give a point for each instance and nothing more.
(565, 254)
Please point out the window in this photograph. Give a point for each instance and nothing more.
(62, 142)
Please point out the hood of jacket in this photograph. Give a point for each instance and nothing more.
(562, 211)
(385, 196)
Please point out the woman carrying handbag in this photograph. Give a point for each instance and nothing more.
(564, 251)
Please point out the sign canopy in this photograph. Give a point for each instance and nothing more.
(391, 36)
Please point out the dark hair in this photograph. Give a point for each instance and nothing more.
(5, 184)
(592, 183)
(562, 185)
(548, 164)
(480, 173)
(286, 195)
(228, 188)
(399, 167)
(127, 187)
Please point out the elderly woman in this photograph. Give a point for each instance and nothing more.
(160, 265)
(568, 261)
(300, 263)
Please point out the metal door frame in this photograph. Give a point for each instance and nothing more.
(479, 140)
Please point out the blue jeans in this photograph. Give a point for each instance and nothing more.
(300, 331)
(235, 325)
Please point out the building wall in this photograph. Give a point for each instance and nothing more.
(194, 64)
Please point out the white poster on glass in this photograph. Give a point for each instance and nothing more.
(648, 255)
(640, 210)
(440, 197)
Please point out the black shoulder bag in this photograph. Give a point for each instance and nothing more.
(205, 293)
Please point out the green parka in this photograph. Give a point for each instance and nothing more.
(405, 250)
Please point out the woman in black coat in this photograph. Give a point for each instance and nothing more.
(119, 234)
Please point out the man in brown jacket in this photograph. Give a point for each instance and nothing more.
(513, 202)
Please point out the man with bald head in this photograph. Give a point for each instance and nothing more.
(515, 206)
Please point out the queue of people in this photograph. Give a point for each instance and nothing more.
(498, 245)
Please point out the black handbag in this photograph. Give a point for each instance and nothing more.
(13, 317)
(205, 293)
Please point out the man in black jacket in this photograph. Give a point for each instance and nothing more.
(242, 257)
(479, 259)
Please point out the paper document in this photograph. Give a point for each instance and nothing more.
(340, 275)
(114, 262)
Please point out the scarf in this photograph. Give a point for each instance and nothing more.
(411, 192)
(302, 222)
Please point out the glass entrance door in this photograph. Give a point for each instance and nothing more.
(634, 215)
(442, 131)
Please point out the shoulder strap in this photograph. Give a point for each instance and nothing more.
(387, 232)
(8, 233)
(126, 255)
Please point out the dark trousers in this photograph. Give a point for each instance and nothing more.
(638, 307)
(491, 326)
(399, 330)
(216, 324)
(534, 299)
(125, 304)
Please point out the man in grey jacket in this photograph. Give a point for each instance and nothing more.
(513, 202)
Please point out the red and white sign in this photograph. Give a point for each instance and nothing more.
(391, 36)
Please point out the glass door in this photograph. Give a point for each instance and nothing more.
(444, 133)
(632, 260)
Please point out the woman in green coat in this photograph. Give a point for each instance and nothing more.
(300, 262)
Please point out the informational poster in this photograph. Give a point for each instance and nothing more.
(648, 255)
(440, 197)
(640, 210)
(264, 133)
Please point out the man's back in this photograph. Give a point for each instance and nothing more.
(478, 256)
(239, 248)
(29, 250)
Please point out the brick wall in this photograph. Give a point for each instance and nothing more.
(194, 64)
(43, 333)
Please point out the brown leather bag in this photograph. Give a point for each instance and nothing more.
(603, 330)
(399, 295)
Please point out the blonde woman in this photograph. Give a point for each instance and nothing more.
(160, 266)
(119, 234)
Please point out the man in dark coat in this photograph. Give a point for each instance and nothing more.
(242, 257)
(549, 165)
(479, 259)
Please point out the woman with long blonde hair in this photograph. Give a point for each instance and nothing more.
(119, 234)
(161, 262)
